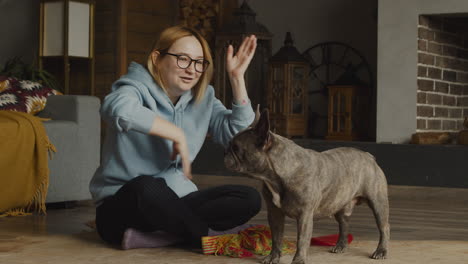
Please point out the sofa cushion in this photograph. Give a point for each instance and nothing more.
(23, 95)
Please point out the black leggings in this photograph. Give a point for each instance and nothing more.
(148, 204)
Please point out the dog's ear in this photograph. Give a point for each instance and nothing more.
(257, 117)
(262, 129)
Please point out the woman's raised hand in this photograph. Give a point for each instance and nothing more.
(237, 64)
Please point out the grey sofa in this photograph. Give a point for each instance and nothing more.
(74, 130)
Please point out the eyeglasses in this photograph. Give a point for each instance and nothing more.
(184, 61)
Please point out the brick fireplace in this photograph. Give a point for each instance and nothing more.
(442, 76)
(398, 59)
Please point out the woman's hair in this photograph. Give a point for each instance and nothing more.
(165, 41)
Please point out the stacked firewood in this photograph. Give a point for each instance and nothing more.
(201, 15)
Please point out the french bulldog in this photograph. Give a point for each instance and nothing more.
(305, 185)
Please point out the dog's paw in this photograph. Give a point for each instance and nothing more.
(270, 259)
(339, 248)
(380, 253)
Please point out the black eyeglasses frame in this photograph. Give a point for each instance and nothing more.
(203, 61)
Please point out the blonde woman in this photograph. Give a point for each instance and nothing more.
(158, 116)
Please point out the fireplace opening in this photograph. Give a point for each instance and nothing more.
(442, 81)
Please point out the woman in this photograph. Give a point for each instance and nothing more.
(158, 117)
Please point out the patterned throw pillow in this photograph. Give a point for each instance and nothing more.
(23, 95)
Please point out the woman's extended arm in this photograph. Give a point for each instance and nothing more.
(165, 129)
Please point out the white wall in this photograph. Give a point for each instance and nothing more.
(397, 63)
(19, 29)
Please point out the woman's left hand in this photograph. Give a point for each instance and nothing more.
(237, 65)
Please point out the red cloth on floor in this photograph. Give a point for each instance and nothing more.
(329, 240)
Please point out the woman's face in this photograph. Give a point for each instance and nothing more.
(177, 80)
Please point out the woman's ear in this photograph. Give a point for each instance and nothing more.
(155, 56)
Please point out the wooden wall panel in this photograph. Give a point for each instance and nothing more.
(125, 32)
(121, 43)
(154, 7)
(139, 42)
(146, 19)
(105, 5)
(106, 40)
(105, 20)
(147, 23)
(138, 57)
(106, 62)
(103, 83)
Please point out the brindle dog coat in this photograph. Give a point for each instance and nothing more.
(304, 184)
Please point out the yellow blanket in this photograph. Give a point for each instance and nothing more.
(24, 170)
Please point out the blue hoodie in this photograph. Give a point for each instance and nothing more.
(128, 151)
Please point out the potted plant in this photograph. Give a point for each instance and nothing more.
(17, 68)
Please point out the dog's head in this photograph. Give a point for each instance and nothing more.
(246, 152)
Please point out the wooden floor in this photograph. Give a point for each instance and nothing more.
(428, 225)
(420, 213)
